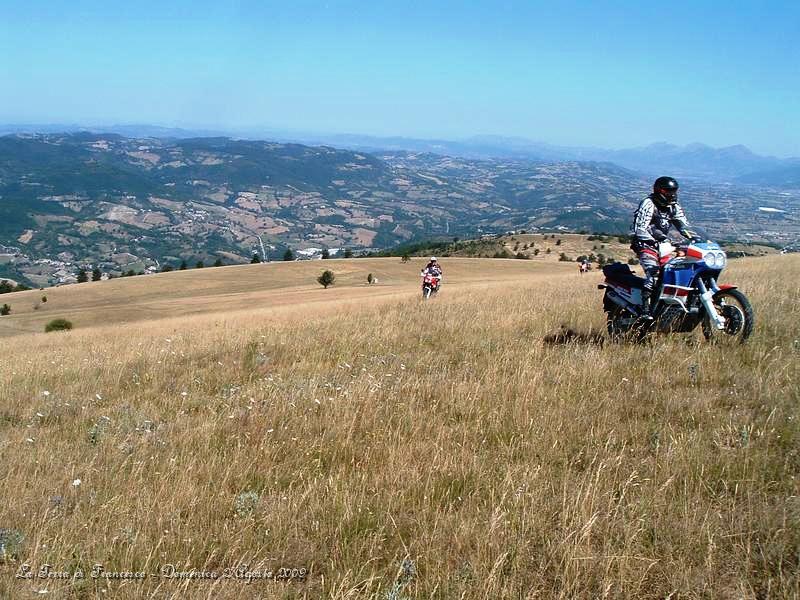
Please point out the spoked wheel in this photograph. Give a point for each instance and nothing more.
(623, 327)
(739, 316)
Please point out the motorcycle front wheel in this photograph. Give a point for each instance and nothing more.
(739, 318)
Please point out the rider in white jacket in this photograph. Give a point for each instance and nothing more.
(433, 268)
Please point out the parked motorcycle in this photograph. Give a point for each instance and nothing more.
(686, 295)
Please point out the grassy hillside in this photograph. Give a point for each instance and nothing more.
(407, 450)
(274, 288)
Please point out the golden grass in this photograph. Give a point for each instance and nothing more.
(281, 286)
(410, 450)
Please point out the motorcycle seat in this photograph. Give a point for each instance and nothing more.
(622, 274)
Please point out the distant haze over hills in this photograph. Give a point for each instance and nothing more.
(735, 164)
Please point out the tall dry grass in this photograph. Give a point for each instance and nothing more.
(409, 450)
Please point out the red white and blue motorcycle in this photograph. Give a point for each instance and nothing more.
(686, 295)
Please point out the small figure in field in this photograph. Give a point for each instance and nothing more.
(583, 267)
(432, 276)
(652, 222)
(433, 268)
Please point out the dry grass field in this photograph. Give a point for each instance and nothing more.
(283, 288)
(395, 448)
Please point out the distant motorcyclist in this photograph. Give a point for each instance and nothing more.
(652, 221)
(434, 269)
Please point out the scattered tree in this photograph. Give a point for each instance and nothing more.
(326, 279)
(536, 252)
(183, 266)
(82, 276)
(348, 253)
(58, 325)
(256, 259)
(326, 254)
(199, 265)
(5, 310)
(564, 258)
(521, 255)
(8, 287)
(96, 274)
(44, 298)
(218, 262)
(166, 268)
(369, 279)
(288, 255)
(405, 258)
(558, 242)
(547, 251)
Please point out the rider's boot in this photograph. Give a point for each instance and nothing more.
(647, 313)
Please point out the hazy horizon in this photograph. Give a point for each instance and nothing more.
(264, 131)
(603, 75)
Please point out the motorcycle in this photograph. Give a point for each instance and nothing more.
(686, 294)
(430, 285)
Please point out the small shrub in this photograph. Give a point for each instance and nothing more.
(404, 258)
(58, 325)
(327, 278)
(5, 310)
(255, 260)
(521, 255)
(288, 255)
(246, 504)
(44, 299)
(370, 279)
(10, 544)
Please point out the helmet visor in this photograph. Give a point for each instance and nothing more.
(670, 195)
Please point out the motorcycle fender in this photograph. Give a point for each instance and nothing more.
(610, 296)
(728, 286)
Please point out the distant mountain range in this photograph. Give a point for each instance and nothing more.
(127, 203)
(733, 164)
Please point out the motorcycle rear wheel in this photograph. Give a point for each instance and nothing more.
(739, 318)
(635, 333)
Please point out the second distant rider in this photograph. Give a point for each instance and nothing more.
(433, 268)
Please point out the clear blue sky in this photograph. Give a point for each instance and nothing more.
(586, 73)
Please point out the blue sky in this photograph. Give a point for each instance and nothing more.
(581, 73)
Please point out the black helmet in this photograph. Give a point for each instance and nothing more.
(665, 191)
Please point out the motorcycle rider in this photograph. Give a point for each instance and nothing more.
(651, 225)
(434, 269)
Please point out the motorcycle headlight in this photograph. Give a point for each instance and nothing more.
(721, 260)
(709, 259)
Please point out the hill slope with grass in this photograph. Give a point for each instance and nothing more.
(402, 448)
